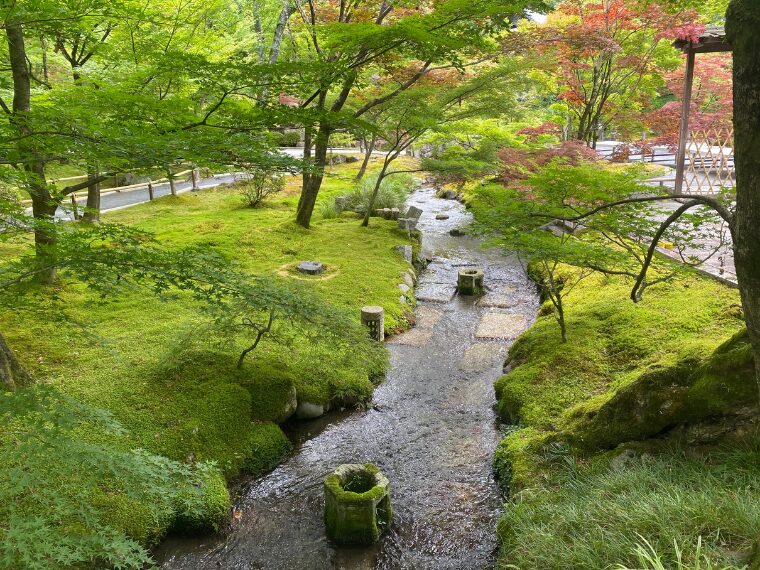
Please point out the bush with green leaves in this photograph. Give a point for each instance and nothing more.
(540, 213)
(289, 138)
(258, 184)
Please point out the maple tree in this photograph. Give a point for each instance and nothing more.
(399, 43)
(711, 100)
(607, 57)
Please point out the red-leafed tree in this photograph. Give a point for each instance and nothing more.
(711, 102)
(608, 56)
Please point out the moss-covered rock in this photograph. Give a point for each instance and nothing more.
(139, 521)
(204, 503)
(665, 397)
(267, 447)
(273, 391)
(518, 461)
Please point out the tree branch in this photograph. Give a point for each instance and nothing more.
(635, 292)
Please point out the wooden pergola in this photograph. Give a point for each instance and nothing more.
(713, 40)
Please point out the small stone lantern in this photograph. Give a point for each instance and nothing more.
(470, 281)
(357, 504)
(374, 319)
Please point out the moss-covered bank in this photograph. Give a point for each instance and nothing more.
(179, 395)
(641, 427)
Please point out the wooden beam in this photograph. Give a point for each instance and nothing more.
(683, 138)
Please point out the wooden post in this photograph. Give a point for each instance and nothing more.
(150, 189)
(194, 177)
(683, 138)
(74, 205)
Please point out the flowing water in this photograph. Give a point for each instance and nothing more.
(432, 430)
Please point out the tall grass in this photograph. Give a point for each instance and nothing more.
(392, 194)
(649, 559)
(594, 518)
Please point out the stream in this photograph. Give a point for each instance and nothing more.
(432, 430)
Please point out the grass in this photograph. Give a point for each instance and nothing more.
(707, 507)
(177, 393)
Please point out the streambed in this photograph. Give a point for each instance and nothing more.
(432, 430)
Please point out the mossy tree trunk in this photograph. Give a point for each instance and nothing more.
(742, 27)
(12, 374)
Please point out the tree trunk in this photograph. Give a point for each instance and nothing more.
(288, 8)
(45, 70)
(742, 24)
(313, 182)
(369, 148)
(43, 204)
(92, 211)
(172, 184)
(12, 374)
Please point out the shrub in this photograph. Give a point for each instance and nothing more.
(258, 185)
(392, 194)
(289, 138)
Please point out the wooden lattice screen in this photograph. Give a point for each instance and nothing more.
(710, 161)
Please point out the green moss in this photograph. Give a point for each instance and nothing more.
(518, 462)
(628, 372)
(175, 392)
(663, 397)
(203, 505)
(357, 505)
(267, 446)
(144, 523)
(336, 487)
(272, 389)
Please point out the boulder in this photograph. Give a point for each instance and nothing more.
(665, 398)
(310, 411)
(289, 406)
(414, 213)
(406, 252)
(408, 224)
(310, 267)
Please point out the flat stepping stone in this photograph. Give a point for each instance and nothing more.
(497, 301)
(310, 267)
(414, 337)
(428, 317)
(442, 217)
(480, 357)
(435, 292)
(501, 326)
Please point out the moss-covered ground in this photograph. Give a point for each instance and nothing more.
(177, 393)
(635, 439)
(630, 373)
